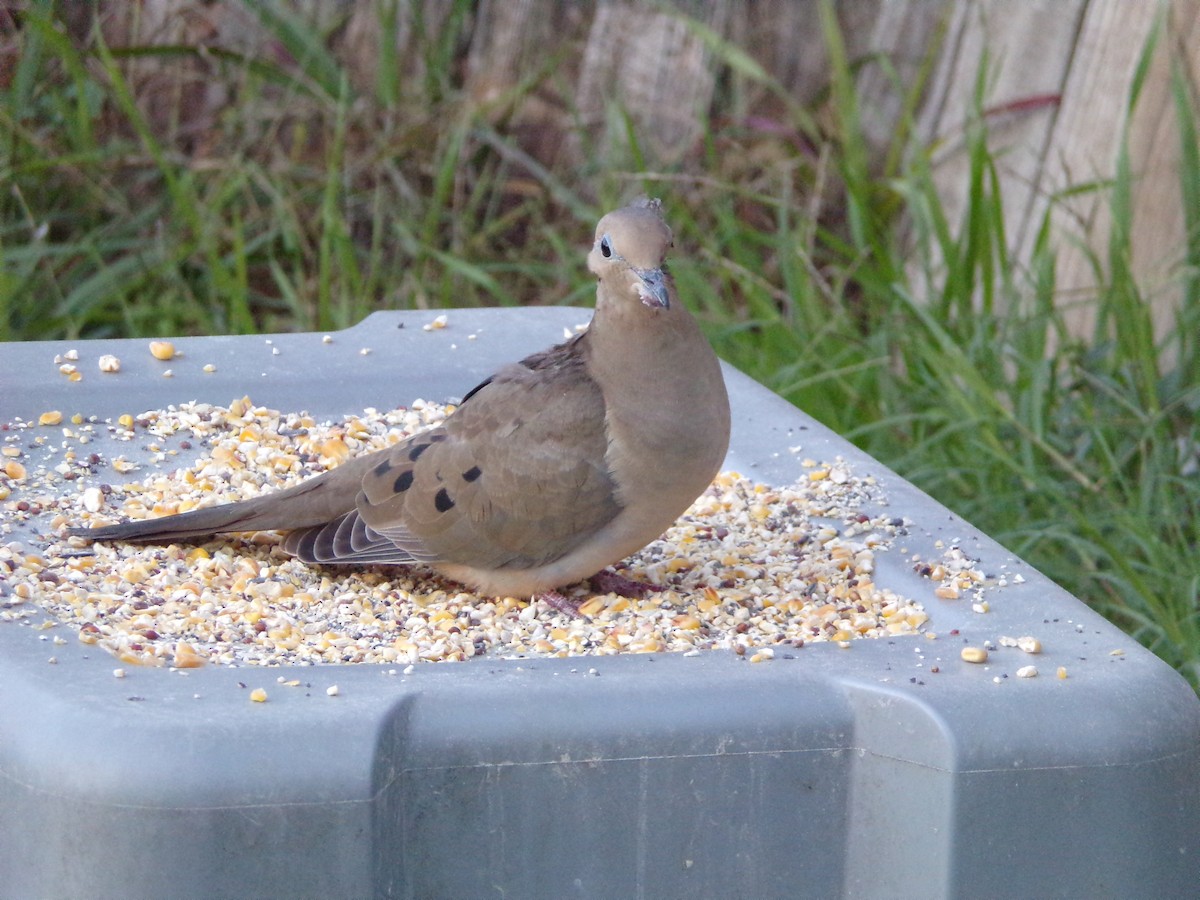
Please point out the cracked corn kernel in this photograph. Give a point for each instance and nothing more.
(974, 654)
(1027, 672)
(53, 417)
(186, 657)
(14, 470)
(258, 695)
(162, 350)
(109, 363)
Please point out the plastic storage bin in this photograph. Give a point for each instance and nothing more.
(824, 772)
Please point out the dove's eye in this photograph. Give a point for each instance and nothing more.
(606, 247)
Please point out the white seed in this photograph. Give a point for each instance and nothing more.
(1027, 672)
(332, 690)
(109, 363)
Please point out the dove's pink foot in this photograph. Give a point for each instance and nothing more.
(606, 581)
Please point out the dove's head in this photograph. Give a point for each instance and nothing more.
(627, 257)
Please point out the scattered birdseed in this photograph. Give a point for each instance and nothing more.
(109, 363)
(209, 368)
(327, 339)
(258, 695)
(53, 417)
(1026, 643)
(437, 324)
(1027, 672)
(331, 691)
(748, 567)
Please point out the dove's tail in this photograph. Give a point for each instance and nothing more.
(248, 515)
(312, 502)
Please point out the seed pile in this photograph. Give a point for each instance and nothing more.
(747, 568)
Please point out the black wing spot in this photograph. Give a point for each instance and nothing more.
(442, 501)
(472, 473)
(415, 453)
(383, 468)
(403, 481)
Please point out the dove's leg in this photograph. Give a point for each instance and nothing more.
(606, 581)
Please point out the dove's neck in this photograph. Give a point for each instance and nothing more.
(667, 412)
(646, 357)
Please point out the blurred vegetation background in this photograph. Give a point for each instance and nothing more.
(189, 167)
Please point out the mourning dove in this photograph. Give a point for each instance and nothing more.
(549, 471)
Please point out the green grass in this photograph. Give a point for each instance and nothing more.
(313, 200)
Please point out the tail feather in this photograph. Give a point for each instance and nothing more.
(312, 502)
(243, 516)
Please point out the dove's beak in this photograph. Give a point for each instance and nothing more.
(651, 286)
